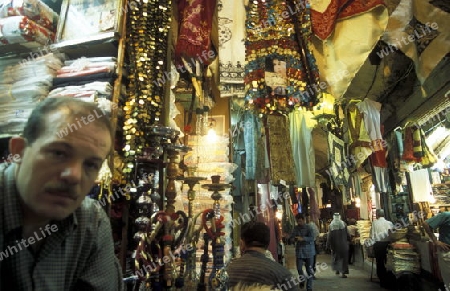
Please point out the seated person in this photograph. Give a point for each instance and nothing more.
(254, 268)
(54, 237)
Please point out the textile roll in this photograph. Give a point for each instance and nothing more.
(20, 29)
(35, 10)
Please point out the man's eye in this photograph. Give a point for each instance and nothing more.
(58, 153)
(92, 166)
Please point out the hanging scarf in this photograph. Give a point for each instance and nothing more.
(323, 23)
(280, 150)
(417, 143)
(195, 22)
(408, 149)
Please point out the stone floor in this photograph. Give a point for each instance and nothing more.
(358, 278)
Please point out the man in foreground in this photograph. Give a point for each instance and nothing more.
(379, 233)
(44, 189)
(305, 250)
(441, 221)
(254, 269)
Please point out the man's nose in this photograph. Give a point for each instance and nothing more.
(72, 172)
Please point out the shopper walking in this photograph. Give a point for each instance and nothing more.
(53, 238)
(254, 269)
(352, 231)
(441, 221)
(303, 235)
(316, 233)
(337, 242)
(379, 234)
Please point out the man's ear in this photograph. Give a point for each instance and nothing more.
(242, 246)
(16, 148)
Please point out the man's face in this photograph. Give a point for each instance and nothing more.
(300, 221)
(56, 173)
(307, 219)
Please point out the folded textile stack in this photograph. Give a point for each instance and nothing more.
(22, 85)
(90, 79)
(363, 230)
(402, 258)
(27, 21)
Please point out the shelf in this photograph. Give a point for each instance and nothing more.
(101, 38)
(21, 49)
(93, 46)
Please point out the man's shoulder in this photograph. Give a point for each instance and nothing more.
(90, 212)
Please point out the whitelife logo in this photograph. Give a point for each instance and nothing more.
(25, 243)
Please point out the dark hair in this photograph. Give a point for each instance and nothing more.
(37, 121)
(300, 215)
(379, 212)
(255, 234)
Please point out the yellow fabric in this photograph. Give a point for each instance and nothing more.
(341, 56)
(360, 153)
(425, 13)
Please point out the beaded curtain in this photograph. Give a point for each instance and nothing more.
(279, 32)
(148, 25)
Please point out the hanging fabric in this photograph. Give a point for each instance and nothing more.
(408, 153)
(301, 126)
(341, 46)
(358, 138)
(280, 150)
(427, 23)
(313, 206)
(429, 157)
(417, 142)
(251, 133)
(280, 72)
(231, 47)
(195, 26)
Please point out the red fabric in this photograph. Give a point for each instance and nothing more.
(408, 146)
(378, 158)
(323, 23)
(194, 37)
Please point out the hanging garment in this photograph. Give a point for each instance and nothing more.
(358, 137)
(280, 65)
(262, 160)
(325, 14)
(301, 126)
(251, 132)
(195, 26)
(408, 152)
(313, 207)
(231, 47)
(280, 150)
(381, 179)
(427, 23)
(288, 217)
(341, 54)
(420, 185)
(371, 114)
(429, 157)
(417, 142)
(356, 184)
(338, 170)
